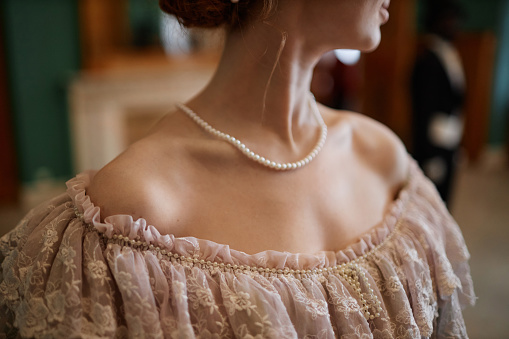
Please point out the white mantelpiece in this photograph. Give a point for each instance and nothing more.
(100, 104)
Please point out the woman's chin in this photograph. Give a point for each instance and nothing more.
(370, 43)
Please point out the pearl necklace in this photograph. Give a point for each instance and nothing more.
(256, 157)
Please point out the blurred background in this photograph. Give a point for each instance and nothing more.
(81, 80)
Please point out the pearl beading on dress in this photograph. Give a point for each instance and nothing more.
(256, 157)
(351, 271)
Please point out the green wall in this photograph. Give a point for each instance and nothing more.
(499, 126)
(144, 22)
(481, 15)
(42, 47)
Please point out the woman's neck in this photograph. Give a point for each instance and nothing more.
(263, 80)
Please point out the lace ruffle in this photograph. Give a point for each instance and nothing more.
(64, 276)
(140, 230)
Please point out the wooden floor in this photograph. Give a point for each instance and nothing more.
(481, 207)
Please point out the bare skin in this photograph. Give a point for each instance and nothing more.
(186, 183)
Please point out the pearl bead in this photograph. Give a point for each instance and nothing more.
(255, 157)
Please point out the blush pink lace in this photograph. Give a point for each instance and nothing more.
(66, 274)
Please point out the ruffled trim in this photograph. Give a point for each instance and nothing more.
(417, 213)
(58, 278)
(140, 230)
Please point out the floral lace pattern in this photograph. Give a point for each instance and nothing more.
(64, 276)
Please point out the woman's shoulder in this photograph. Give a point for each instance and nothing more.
(132, 183)
(372, 142)
(147, 174)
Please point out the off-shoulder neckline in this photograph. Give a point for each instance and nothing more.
(140, 230)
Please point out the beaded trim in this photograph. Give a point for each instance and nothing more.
(351, 271)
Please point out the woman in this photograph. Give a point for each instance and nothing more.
(334, 231)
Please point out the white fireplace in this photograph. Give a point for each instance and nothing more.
(110, 109)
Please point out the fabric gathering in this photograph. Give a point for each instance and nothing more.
(67, 274)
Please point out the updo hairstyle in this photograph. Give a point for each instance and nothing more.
(217, 13)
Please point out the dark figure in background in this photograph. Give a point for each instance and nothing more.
(438, 87)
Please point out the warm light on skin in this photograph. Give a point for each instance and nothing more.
(346, 24)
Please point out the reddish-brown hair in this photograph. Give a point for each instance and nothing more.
(216, 13)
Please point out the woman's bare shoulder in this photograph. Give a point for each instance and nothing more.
(131, 184)
(375, 144)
